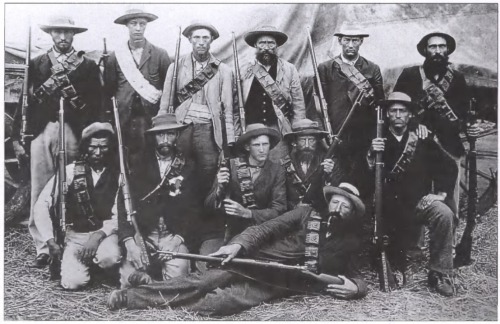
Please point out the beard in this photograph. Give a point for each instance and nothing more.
(267, 57)
(436, 64)
(164, 149)
(303, 155)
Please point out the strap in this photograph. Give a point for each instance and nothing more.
(199, 81)
(291, 173)
(81, 192)
(312, 242)
(134, 76)
(434, 98)
(406, 157)
(172, 177)
(244, 177)
(356, 77)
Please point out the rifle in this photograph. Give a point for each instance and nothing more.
(59, 218)
(321, 102)
(173, 86)
(238, 86)
(25, 106)
(317, 175)
(125, 189)
(464, 248)
(325, 278)
(103, 61)
(386, 278)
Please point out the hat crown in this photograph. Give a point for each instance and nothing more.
(349, 188)
(164, 120)
(61, 20)
(95, 127)
(304, 124)
(255, 126)
(351, 32)
(399, 96)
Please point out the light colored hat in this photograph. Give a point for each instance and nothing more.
(305, 127)
(165, 122)
(135, 13)
(61, 22)
(199, 25)
(450, 42)
(251, 37)
(399, 97)
(350, 192)
(93, 128)
(351, 32)
(255, 130)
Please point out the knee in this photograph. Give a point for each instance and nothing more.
(442, 213)
(74, 281)
(108, 259)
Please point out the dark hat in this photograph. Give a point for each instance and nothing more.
(400, 97)
(251, 37)
(61, 22)
(350, 192)
(351, 32)
(305, 127)
(96, 127)
(199, 25)
(134, 13)
(255, 130)
(165, 122)
(450, 42)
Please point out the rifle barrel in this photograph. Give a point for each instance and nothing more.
(24, 107)
(62, 168)
(173, 86)
(238, 86)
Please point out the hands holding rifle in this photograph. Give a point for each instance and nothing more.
(227, 251)
(231, 207)
(344, 291)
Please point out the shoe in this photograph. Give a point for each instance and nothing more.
(442, 283)
(138, 278)
(41, 261)
(117, 299)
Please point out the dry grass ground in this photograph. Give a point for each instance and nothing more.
(29, 295)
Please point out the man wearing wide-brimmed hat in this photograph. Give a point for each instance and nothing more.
(92, 186)
(252, 189)
(272, 93)
(135, 73)
(343, 78)
(307, 163)
(441, 91)
(60, 72)
(232, 289)
(204, 89)
(418, 189)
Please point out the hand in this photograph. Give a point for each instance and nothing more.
(19, 151)
(55, 250)
(223, 175)
(170, 243)
(473, 130)
(228, 251)
(235, 209)
(378, 145)
(422, 131)
(426, 201)
(134, 254)
(90, 247)
(328, 165)
(345, 291)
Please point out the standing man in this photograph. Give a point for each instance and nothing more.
(92, 186)
(342, 79)
(62, 72)
(272, 93)
(135, 73)
(204, 89)
(418, 189)
(442, 95)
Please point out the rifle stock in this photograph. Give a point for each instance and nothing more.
(25, 137)
(238, 86)
(173, 86)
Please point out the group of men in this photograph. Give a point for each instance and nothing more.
(255, 203)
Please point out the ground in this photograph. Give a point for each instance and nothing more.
(29, 295)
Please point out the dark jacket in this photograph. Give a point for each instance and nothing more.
(85, 80)
(410, 82)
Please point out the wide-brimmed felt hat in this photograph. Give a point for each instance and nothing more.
(351, 32)
(135, 13)
(61, 22)
(165, 122)
(252, 36)
(255, 130)
(96, 127)
(305, 127)
(401, 98)
(199, 25)
(450, 42)
(350, 192)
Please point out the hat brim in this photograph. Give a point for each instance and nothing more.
(274, 137)
(313, 132)
(251, 37)
(189, 29)
(48, 28)
(329, 191)
(160, 128)
(122, 20)
(450, 42)
(351, 35)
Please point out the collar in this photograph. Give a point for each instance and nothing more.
(57, 53)
(346, 61)
(204, 63)
(162, 158)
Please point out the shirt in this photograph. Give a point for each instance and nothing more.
(163, 163)
(62, 57)
(137, 54)
(346, 61)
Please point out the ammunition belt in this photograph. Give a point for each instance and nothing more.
(81, 193)
(357, 78)
(291, 174)
(198, 82)
(312, 241)
(244, 177)
(406, 157)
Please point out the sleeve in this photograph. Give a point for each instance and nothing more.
(165, 97)
(378, 84)
(232, 119)
(322, 72)
(462, 98)
(110, 226)
(236, 109)
(94, 93)
(125, 229)
(443, 168)
(403, 84)
(41, 214)
(278, 203)
(16, 124)
(164, 65)
(299, 108)
(211, 199)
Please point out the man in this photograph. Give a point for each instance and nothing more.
(62, 72)
(135, 73)
(272, 93)
(283, 239)
(252, 190)
(342, 79)
(442, 95)
(92, 185)
(413, 168)
(163, 191)
(306, 157)
(204, 89)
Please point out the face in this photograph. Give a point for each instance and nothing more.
(201, 39)
(97, 150)
(306, 143)
(265, 49)
(437, 49)
(350, 46)
(340, 207)
(166, 141)
(63, 38)
(259, 148)
(136, 28)
(399, 115)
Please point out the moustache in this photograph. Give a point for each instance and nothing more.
(165, 145)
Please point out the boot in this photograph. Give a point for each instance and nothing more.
(441, 282)
(117, 299)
